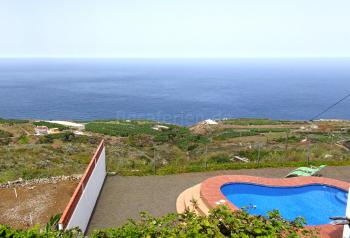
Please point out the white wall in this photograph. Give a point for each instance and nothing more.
(346, 231)
(82, 212)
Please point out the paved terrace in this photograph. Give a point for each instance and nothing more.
(125, 197)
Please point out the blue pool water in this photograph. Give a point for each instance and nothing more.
(316, 203)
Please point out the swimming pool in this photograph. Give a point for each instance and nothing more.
(315, 202)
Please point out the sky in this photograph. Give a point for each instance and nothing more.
(175, 28)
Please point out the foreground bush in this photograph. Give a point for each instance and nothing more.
(7, 232)
(221, 222)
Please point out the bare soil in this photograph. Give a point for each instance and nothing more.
(34, 204)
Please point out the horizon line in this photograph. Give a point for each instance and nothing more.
(189, 58)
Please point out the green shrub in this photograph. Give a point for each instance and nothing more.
(233, 133)
(5, 141)
(291, 139)
(45, 140)
(219, 159)
(140, 140)
(5, 134)
(66, 136)
(23, 140)
(190, 142)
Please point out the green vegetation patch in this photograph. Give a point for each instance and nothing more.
(23, 140)
(180, 136)
(291, 139)
(220, 158)
(234, 133)
(12, 121)
(256, 121)
(119, 128)
(269, 130)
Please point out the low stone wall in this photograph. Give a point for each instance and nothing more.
(32, 182)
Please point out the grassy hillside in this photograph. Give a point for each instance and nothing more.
(147, 147)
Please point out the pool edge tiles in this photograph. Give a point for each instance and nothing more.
(211, 194)
(260, 199)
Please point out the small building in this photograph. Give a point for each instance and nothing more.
(41, 130)
(208, 122)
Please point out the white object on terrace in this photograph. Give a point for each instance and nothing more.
(242, 159)
(346, 230)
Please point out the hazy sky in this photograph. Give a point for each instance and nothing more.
(174, 28)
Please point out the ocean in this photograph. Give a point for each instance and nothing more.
(181, 91)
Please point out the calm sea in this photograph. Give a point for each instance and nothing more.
(178, 91)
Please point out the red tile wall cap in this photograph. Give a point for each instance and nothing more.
(68, 211)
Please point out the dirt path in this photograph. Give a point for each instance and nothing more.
(37, 203)
(125, 197)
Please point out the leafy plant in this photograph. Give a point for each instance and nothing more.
(8, 232)
(53, 223)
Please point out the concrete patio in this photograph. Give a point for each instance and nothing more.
(125, 197)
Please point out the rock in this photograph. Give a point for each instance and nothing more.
(328, 156)
(112, 173)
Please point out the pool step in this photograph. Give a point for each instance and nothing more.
(186, 198)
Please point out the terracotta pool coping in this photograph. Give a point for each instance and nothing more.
(211, 194)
